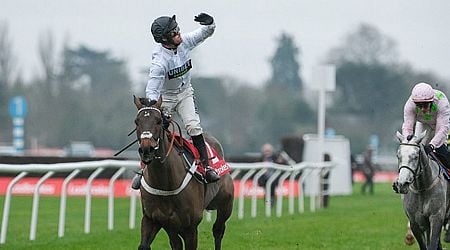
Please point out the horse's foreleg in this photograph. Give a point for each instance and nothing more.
(175, 240)
(190, 237)
(409, 237)
(148, 232)
(435, 232)
(419, 235)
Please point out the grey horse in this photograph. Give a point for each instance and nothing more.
(424, 191)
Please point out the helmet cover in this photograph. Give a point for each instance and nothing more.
(422, 92)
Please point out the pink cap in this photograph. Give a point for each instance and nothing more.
(422, 92)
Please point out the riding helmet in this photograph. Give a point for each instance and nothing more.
(161, 28)
(422, 92)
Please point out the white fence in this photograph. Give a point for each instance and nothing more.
(297, 173)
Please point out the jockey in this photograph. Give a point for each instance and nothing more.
(170, 77)
(428, 108)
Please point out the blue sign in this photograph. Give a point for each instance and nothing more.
(374, 141)
(18, 107)
(330, 132)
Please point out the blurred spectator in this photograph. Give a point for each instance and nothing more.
(354, 166)
(268, 155)
(368, 170)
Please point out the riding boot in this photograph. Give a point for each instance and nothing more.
(444, 156)
(210, 173)
(136, 183)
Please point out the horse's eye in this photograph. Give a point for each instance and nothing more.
(159, 122)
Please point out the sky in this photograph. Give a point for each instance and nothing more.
(246, 33)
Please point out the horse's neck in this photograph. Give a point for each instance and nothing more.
(428, 136)
(429, 171)
(166, 172)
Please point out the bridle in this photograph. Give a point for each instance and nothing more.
(416, 173)
(149, 135)
(419, 168)
(190, 169)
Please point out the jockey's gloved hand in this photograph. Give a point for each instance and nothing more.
(429, 148)
(394, 187)
(204, 19)
(409, 137)
(166, 119)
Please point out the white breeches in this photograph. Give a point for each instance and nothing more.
(183, 104)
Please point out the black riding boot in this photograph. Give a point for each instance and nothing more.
(444, 155)
(210, 173)
(136, 183)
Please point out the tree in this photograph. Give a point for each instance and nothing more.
(365, 46)
(282, 110)
(227, 111)
(7, 63)
(47, 58)
(42, 96)
(371, 86)
(281, 114)
(93, 101)
(103, 95)
(285, 66)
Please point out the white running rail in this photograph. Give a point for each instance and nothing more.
(251, 171)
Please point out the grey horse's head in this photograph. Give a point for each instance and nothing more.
(408, 155)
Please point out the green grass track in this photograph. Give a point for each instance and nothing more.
(350, 222)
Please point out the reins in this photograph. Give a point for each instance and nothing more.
(171, 122)
(172, 140)
(416, 175)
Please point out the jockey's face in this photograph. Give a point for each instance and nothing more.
(175, 37)
(425, 107)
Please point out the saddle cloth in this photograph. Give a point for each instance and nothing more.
(215, 161)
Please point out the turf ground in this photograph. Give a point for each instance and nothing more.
(350, 222)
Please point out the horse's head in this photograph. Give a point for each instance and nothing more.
(410, 154)
(148, 127)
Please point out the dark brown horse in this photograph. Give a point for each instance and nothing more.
(171, 198)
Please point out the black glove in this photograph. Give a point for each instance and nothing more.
(409, 137)
(166, 119)
(429, 148)
(394, 187)
(204, 19)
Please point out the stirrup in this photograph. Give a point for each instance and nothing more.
(136, 183)
(211, 175)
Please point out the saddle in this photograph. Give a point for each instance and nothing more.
(187, 148)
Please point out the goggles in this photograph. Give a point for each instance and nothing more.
(423, 104)
(175, 31)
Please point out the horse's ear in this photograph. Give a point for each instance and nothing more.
(137, 102)
(158, 103)
(400, 136)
